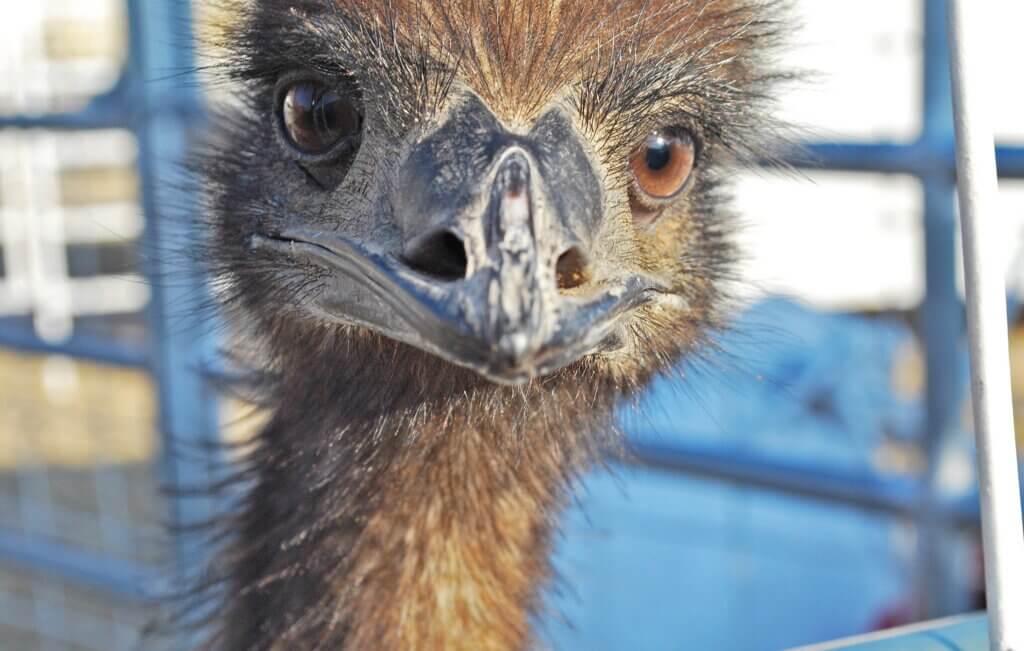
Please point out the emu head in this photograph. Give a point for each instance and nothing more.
(513, 186)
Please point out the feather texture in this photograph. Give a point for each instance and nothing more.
(394, 501)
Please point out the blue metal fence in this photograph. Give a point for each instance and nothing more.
(159, 102)
(931, 158)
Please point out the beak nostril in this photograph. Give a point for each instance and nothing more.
(441, 255)
(571, 271)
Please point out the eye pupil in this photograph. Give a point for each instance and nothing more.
(336, 116)
(317, 118)
(659, 154)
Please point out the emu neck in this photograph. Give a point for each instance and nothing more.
(455, 552)
(418, 515)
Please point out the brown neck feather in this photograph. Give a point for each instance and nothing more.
(456, 551)
(415, 514)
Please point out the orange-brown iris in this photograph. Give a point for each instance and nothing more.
(662, 166)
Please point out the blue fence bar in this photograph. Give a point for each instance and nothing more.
(940, 315)
(82, 346)
(119, 578)
(860, 490)
(916, 158)
(163, 81)
(90, 118)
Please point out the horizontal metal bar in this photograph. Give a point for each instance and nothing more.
(964, 633)
(117, 108)
(887, 158)
(119, 578)
(862, 490)
(78, 120)
(88, 347)
(1010, 162)
(918, 159)
(110, 110)
(87, 120)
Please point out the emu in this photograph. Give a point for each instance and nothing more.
(452, 235)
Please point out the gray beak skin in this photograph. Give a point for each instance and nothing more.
(491, 221)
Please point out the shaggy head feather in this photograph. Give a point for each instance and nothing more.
(397, 500)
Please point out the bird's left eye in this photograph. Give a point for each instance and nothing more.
(664, 163)
(317, 118)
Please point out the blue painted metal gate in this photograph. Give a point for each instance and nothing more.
(158, 100)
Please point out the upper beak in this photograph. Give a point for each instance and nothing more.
(380, 293)
(499, 309)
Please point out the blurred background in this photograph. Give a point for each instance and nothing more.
(816, 481)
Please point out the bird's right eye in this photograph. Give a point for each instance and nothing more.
(317, 118)
(663, 165)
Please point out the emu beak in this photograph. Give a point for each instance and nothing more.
(488, 240)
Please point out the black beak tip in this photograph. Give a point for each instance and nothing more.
(511, 360)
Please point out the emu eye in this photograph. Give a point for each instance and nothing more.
(316, 118)
(664, 163)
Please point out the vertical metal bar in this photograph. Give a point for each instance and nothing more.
(1002, 526)
(940, 316)
(167, 99)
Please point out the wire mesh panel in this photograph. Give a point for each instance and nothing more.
(76, 467)
(37, 612)
(81, 517)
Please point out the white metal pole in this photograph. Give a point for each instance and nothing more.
(970, 37)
